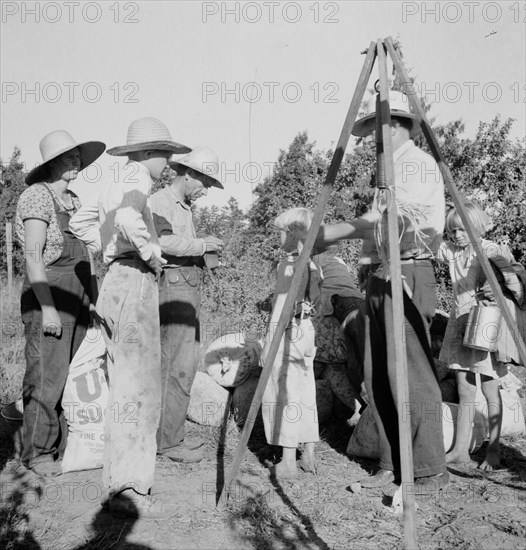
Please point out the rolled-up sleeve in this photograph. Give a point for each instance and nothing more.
(85, 225)
(129, 219)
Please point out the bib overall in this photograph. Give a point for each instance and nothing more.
(44, 430)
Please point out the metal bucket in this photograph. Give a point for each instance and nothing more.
(483, 327)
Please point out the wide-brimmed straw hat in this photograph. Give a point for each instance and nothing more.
(148, 133)
(202, 160)
(399, 107)
(58, 142)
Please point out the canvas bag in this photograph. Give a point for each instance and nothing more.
(513, 423)
(84, 402)
(365, 440)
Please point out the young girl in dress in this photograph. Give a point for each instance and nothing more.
(469, 288)
(289, 401)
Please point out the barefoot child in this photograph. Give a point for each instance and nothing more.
(470, 287)
(289, 400)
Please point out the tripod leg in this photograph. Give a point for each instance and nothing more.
(301, 265)
(397, 311)
(457, 199)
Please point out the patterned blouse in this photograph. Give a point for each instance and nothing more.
(36, 203)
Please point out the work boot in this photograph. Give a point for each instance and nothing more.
(430, 485)
(184, 455)
(381, 478)
(192, 443)
(48, 468)
(129, 504)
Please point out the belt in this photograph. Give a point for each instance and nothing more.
(171, 266)
(414, 260)
(184, 261)
(133, 261)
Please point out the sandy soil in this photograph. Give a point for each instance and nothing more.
(477, 511)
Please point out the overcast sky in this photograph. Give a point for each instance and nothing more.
(242, 77)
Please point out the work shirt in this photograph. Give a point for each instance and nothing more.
(120, 221)
(175, 227)
(418, 186)
(335, 280)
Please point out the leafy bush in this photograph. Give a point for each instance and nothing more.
(489, 168)
(12, 185)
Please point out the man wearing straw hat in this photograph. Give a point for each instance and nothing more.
(180, 294)
(129, 307)
(421, 207)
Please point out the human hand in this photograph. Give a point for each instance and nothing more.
(363, 274)
(319, 243)
(94, 317)
(213, 244)
(51, 323)
(487, 291)
(155, 263)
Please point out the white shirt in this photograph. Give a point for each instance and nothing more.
(120, 221)
(419, 185)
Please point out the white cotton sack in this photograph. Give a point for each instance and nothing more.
(84, 402)
(231, 359)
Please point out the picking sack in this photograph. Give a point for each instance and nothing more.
(512, 416)
(365, 442)
(84, 403)
(231, 359)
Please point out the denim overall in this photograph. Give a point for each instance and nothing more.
(44, 430)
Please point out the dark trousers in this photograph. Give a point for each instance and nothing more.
(350, 312)
(425, 400)
(44, 431)
(179, 304)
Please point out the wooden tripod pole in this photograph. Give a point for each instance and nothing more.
(397, 311)
(301, 266)
(457, 198)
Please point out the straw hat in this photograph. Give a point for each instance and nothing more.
(399, 106)
(202, 160)
(58, 142)
(148, 134)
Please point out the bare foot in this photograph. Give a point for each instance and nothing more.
(307, 463)
(284, 471)
(455, 457)
(492, 461)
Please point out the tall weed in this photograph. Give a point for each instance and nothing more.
(12, 363)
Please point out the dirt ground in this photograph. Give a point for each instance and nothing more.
(477, 510)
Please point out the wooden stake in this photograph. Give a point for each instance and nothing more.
(9, 254)
(397, 310)
(301, 266)
(457, 198)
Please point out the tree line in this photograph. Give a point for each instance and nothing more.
(489, 168)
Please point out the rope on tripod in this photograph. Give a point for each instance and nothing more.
(410, 217)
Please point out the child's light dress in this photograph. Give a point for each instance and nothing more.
(289, 401)
(468, 278)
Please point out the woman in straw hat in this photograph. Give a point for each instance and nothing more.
(55, 295)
